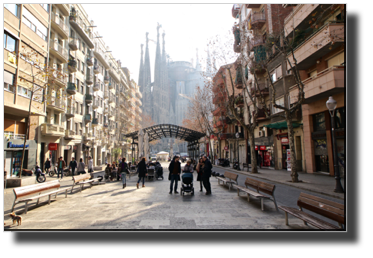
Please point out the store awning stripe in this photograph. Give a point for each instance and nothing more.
(281, 125)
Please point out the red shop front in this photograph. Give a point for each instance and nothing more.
(266, 155)
(53, 148)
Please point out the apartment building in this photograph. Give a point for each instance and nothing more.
(319, 50)
(26, 28)
(78, 115)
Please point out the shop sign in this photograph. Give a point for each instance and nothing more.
(67, 147)
(52, 146)
(11, 145)
(256, 147)
(285, 140)
(263, 148)
(226, 148)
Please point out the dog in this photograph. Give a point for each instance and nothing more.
(16, 218)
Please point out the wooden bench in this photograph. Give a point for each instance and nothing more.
(229, 179)
(321, 206)
(29, 193)
(83, 179)
(262, 190)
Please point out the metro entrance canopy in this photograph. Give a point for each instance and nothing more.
(160, 131)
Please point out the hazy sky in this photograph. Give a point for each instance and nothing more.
(187, 27)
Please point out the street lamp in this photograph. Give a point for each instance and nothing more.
(331, 104)
(238, 151)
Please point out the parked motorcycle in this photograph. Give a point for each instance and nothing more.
(236, 165)
(40, 176)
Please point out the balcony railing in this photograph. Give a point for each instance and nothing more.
(73, 44)
(96, 103)
(89, 79)
(96, 69)
(72, 66)
(59, 50)
(101, 56)
(58, 76)
(70, 112)
(90, 61)
(60, 26)
(87, 117)
(56, 103)
(69, 134)
(95, 122)
(258, 20)
(88, 98)
(78, 24)
(52, 130)
(257, 40)
(97, 87)
(71, 88)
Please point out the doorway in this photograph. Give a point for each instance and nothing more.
(284, 156)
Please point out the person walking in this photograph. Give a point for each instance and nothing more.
(72, 166)
(113, 172)
(107, 171)
(199, 169)
(61, 166)
(260, 160)
(124, 171)
(90, 164)
(206, 175)
(47, 166)
(175, 169)
(81, 167)
(142, 172)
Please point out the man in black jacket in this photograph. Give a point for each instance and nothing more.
(73, 166)
(206, 175)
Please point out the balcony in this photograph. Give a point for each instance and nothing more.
(114, 74)
(111, 113)
(59, 26)
(87, 137)
(88, 118)
(326, 83)
(96, 69)
(58, 77)
(96, 87)
(238, 81)
(71, 88)
(235, 10)
(88, 98)
(299, 14)
(239, 101)
(52, 130)
(64, 8)
(72, 66)
(257, 20)
(70, 112)
(58, 51)
(69, 135)
(317, 45)
(84, 31)
(106, 94)
(111, 86)
(253, 6)
(73, 44)
(261, 89)
(95, 122)
(56, 103)
(106, 110)
(138, 94)
(89, 79)
(111, 98)
(106, 79)
(89, 61)
(101, 56)
(96, 103)
(258, 40)
(261, 114)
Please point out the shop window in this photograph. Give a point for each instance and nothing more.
(34, 24)
(319, 122)
(340, 118)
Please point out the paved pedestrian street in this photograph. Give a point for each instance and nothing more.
(109, 207)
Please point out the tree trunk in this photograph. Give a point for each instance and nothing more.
(27, 132)
(254, 167)
(294, 174)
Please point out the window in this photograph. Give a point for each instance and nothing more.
(81, 129)
(319, 122)
(78, 65)
(82, 68)
(34, 24)
(9, 42)
(55, 119)
(76, 128)
(9, 81)
(24, 92)
(82, 88)
(337, 60)
(83, 48)
(81, 109)
(77, 84)
(76, 108)
(13, 8)
(276, 74)
(279, 102)
(46, 7)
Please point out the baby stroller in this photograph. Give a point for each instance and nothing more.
(187, 183)
(158, 171)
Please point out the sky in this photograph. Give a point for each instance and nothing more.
(187, 27)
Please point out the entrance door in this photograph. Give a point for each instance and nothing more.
(41, 165)
(65, 155)
(284, 156)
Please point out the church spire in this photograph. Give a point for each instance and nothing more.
(198, 66)
(209, 64)
(141, 76)
(147, 78)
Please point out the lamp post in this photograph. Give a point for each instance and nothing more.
(331, 104)
(238, 151)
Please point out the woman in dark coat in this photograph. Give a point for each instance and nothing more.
(175, 169)
(142, 172)
(199, 169)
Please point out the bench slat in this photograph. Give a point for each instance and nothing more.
(331, 203)
(33, 189)
(314, 221)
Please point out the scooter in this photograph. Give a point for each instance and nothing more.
(53, 171)
(40, 176)
(236, 165)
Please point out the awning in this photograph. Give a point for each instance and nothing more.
(281, 125)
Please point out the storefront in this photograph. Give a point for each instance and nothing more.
(53, 155)
(13, 156)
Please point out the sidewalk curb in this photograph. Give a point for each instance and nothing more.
(296, 185)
